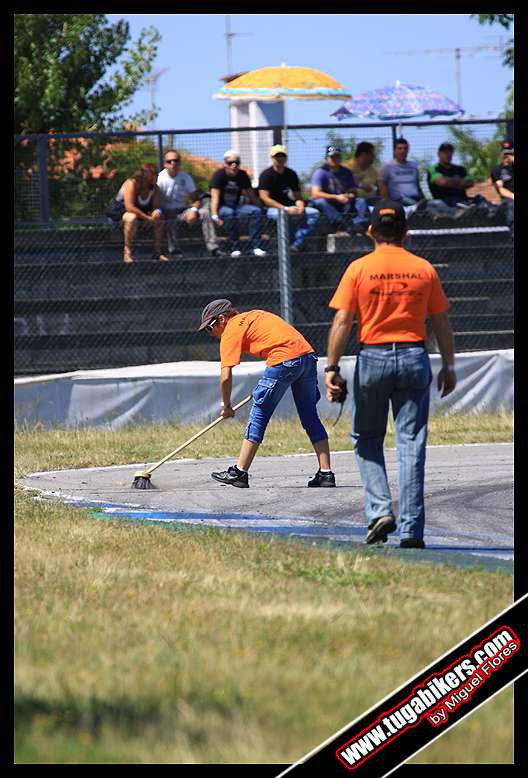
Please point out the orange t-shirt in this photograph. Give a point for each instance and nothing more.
(261, 334)
(392, 291)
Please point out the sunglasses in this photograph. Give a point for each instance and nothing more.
(209, 327)
(171, 161)
(232, 162)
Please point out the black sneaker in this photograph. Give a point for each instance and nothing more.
(217, 253)
(380, 529)
(411, 543)
(322, 479)
(294, 249)
(176, 252)
(232, 476)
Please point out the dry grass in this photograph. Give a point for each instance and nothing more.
(138, 643)
(41, 449)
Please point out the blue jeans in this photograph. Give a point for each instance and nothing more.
(409, 203)
(309, 223)
(403, 377)
(299, 373)
(230, 218)
(357, 208)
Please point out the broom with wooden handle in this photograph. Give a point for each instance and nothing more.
(142, 477)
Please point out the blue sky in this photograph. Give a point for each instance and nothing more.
(353, 48)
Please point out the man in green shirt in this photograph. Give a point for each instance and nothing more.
(448, 182)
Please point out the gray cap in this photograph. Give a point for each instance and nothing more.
(214, 309)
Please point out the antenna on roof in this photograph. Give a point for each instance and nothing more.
(152, 81)
(229, 42)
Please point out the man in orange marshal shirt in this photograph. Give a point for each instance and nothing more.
(391, 291)
(290, 362)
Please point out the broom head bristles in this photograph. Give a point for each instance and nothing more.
(142, 480)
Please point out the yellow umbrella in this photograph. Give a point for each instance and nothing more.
(278, 83)
(270, 86)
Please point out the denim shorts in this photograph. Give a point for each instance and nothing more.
(301, 375)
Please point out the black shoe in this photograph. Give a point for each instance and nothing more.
(380, 529)
(217, 253)
(294, 249)
(232, 476)
(322, 479)
(176, 253)
(411, 543)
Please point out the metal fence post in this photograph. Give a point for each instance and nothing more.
(160, 150)
(285, 285)
(277, 136)
(42, 160)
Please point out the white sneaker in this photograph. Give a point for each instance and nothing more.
(236, 253)
(259, 252)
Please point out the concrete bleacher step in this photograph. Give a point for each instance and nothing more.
(158, 314)
(77, 305)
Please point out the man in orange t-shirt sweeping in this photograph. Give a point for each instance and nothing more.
(392, 292)
(291, 362)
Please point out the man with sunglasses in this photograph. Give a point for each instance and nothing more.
(290, 362)
(280, 190)
(502, 176)
(176, 187)
(227, 185)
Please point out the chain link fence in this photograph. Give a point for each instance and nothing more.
(78, 306)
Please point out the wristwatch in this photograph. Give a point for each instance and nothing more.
(195, 209)
(332, 369)
(214, 217)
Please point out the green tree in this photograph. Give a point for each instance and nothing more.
(476, 155)
(75, 72)
(506, 21)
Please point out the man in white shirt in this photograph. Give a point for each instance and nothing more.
(176, 187)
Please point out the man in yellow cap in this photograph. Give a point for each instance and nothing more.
(280, 190)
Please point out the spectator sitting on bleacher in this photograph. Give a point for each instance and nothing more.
(448, 182)
(280, 190)
(226, 186)
(502, 176)
(138, 198)
(334, 193)
(370, 186)
(176, 186)
(402, 178)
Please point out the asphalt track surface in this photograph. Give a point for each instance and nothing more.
(469, 500)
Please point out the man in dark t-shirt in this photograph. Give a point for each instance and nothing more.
(227, 185)
(280, 190)
(446, 181)
(502, 176)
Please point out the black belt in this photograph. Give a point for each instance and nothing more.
(398, 344)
